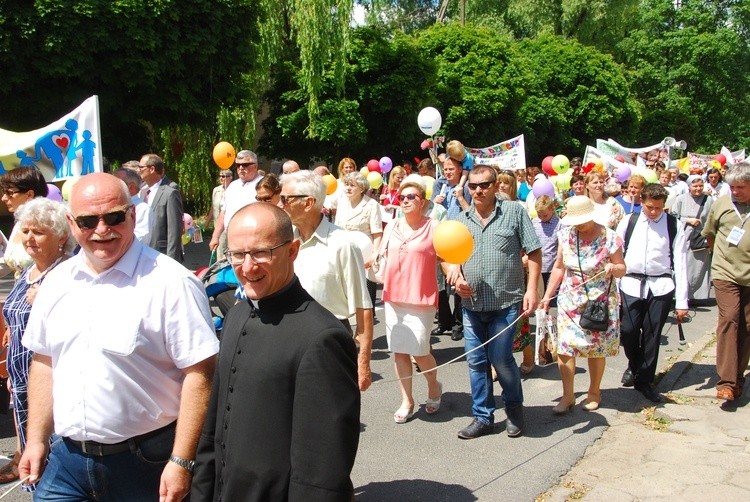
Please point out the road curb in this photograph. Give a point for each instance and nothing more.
(668, 381)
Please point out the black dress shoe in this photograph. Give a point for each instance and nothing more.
(648, 392)
(475, 429)
(627, 378)
(438, 331)
(457, 334)
(514, 421)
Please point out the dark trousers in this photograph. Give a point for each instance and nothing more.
(732, 333)
(447, 318)
(641, 322)
(372, 289)
(545, 280)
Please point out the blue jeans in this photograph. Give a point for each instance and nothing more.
(478, 328)
(72, 475)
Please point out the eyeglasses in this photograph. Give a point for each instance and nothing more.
(90, 221)
(257, 255)
(410, 196)
(484, 185)
(244, 165)
(11, 193)
(141, 168)
(224, 176)
(285, 199)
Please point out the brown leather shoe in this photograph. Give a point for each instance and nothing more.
(725, 393)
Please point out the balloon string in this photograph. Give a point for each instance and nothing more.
(6, 492)
(488, 341)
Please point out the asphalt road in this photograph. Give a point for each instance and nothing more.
(424, 460)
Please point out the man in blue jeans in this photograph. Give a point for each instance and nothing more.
(492, 285)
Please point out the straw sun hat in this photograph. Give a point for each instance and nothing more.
(579, 209)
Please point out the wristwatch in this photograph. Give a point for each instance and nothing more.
(188, 465)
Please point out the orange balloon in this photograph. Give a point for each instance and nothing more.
(224, 155)
(331, 183)
(453, 242)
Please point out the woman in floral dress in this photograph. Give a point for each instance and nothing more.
(588, 251)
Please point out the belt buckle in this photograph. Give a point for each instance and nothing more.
(92, 448)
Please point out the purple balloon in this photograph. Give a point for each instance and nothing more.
(386, 164)
(54, 193)
(623, 173)
(543, 187)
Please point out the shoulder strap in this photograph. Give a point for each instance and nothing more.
(672, 233)
(703, 203)
(386, 237)
(629, 231)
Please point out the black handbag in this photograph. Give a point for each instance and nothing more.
(696, 241)
(595, 315)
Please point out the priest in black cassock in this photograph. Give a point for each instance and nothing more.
(283, 417)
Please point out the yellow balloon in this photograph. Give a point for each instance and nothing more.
(453, 242)
(532, 213)
(650, 176)
(331, 183)
(186, 239)
(67, 186)
(224, 155)
(429, 182)
(375, 180)
(364, 171)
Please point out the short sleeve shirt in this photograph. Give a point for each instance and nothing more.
(730, 262)
(495, 270)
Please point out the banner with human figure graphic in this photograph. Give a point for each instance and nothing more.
(509, 154)
(67, 148)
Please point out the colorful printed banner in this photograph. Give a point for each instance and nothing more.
(509, 154)
(67, 148)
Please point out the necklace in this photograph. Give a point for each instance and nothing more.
(45, 271)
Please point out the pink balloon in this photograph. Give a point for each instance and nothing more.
(623, 173)
(543, 187)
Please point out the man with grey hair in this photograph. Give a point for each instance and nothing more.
(238, 194)
(330, 266)
(144, 215)
(726, 231)
(290, 167)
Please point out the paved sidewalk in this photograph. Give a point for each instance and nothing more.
(691, 448)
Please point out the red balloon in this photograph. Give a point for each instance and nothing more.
(373, 166)
(720, 158)
(620, 158)
(547, 166)
(588, 167)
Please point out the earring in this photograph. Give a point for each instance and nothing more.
(60, 248)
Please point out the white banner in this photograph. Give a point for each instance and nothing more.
(509, 154)
(67, 148)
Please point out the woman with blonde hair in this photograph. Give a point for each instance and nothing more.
(630, 200)
(390, 196)
(410, 296)
(607, 210)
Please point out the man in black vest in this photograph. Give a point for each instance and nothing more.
(283, 418)
(647, 288)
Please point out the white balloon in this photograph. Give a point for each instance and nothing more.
(363, 243)
(429, 121)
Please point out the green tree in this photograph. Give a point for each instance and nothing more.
(685, 66)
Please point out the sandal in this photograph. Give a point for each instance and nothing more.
(432, 405)
(402, 415)
(9, 472)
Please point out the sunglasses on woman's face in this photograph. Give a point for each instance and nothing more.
(410, 196)
(90, 222)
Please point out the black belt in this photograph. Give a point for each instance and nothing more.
(643, 277)
(102, 450)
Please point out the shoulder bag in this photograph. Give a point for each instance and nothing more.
(696, 240)
(377, 269)
(595, 315)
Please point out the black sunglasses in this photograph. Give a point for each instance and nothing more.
(483, 185)
(410, 196)
(90, 221)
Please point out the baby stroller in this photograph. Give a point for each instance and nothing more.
(221, 284)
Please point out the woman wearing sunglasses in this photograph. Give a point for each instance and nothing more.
(45, 234)
(410, 295)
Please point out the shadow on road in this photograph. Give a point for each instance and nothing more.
(410, 490)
